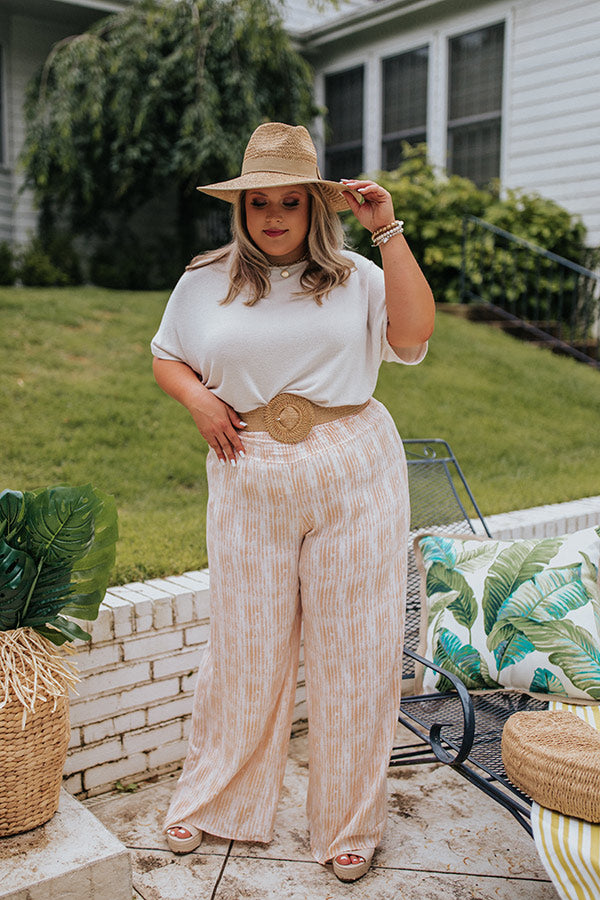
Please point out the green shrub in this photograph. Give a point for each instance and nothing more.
(433, 206)
(37, 269)
(8, 272)
(124, 262)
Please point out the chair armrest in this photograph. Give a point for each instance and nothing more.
(468, 716)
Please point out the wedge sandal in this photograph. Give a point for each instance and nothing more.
(353, 871)
(183, 844)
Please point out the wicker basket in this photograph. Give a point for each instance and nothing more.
(31, 763)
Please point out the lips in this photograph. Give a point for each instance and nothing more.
(274, 232)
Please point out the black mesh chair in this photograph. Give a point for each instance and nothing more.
(459, 729)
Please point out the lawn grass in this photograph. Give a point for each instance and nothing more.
(79, 404)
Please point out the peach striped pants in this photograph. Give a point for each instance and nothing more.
(313, 532)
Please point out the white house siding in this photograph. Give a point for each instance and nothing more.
(554, 141)
(550, 114)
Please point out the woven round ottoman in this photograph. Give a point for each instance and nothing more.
(554, 758)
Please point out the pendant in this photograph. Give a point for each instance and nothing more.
(285, 273)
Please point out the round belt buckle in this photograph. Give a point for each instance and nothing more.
(289, 418)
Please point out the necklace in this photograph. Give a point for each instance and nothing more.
(285, 270)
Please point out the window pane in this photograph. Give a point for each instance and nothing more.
(391, 151)
(476, 72)
(1, 107)
(475, 103)
(475, 151)
(344, 124)
(405, 91)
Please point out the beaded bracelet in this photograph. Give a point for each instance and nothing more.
(382, 235)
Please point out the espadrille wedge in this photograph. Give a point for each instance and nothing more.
(353, 871)
(180, 844)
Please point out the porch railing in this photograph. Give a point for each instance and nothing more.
(548, 298)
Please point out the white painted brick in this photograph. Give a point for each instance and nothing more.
(148, 694)
(196, 635)
(153, 644)
(188, 682)
(170, 587)
(105, 751)
(179, 664)
(114, 680)
(130, 721)
(101, 628)
(187, 727)
(92, 709)
(125, 592)
(173, 709)
(183, 608)
(122, 611)
(98, 657)
(152, 738)
(168, 753)
(73, 783)
(146, 591)
(162, 612)
(202, 605)
(108, 773)
(200, 577)
(75, 740)
(184, 581)
(116, 726)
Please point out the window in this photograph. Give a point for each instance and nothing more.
(1, 107)
(475, 103)
(404, 103)
(344, 135)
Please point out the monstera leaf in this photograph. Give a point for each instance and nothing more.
(514, 565)
(56, 555)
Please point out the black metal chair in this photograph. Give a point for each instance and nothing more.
(459, 729)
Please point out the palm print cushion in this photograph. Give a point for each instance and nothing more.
(512, 614)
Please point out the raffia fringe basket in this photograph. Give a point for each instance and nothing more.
(34, 729)
(554, 758)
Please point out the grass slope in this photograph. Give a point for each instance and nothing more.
(79, 404)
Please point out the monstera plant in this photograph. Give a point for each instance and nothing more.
(57, 549)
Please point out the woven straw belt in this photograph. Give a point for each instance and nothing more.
(289, 418)
(554, 758)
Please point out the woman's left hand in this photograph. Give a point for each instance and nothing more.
(378, 207)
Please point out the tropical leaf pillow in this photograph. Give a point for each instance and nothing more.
(512, 614)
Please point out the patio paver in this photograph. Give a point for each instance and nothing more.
(444, 840)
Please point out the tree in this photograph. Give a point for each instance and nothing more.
(162, 96)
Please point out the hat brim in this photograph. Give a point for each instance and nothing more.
(229, 190)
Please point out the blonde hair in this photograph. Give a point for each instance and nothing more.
(326, 266)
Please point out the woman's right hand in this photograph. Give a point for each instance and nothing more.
(217, 422)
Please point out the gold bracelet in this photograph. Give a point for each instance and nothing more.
(384, 236)
(384, 228)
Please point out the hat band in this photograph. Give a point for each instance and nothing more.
(301, 168)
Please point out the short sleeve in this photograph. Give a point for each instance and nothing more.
(409, 356)
(166, 343)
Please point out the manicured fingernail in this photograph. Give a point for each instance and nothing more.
(241, 453)
(221, 460)
(243, 424)
(232, 461)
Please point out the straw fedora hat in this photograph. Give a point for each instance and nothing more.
(278, 155)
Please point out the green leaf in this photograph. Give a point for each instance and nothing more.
(511, 645)
(569, 647)
(17, 573)
(546, 682)
(471, 560)
(12, 511)
(515, 564)
(550, 595)
(460, 659)
(441, 579)
(438, 549)
(58, 629)
(59, 523)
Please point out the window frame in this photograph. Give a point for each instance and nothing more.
(406, 133)
(355, 144)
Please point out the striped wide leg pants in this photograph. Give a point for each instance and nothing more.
(313, 532)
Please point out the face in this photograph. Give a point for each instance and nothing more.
(278, 220)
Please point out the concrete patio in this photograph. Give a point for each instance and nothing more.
(444, 840)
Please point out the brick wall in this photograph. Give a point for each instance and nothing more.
(131, 717)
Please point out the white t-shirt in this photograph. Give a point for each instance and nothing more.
(284, 343)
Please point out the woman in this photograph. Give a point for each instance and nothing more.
(273, 344)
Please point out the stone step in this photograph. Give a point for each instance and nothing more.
(71, 857)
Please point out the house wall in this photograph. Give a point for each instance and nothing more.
(550, 127)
